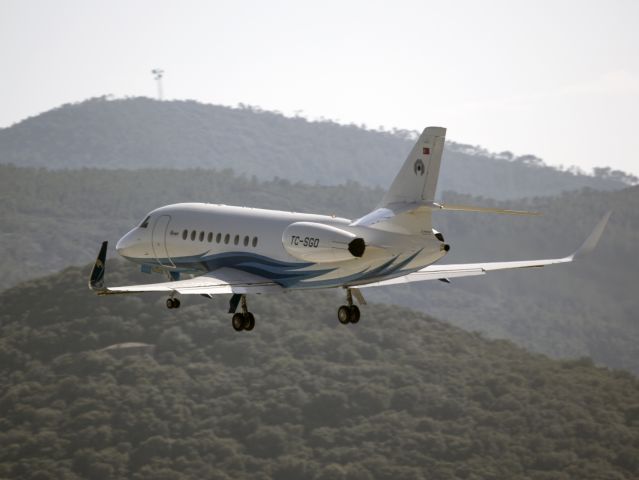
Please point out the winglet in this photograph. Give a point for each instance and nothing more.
(96, 280)
(593, 238)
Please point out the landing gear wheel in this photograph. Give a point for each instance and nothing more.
(176, 303)
(243, 320)
(238, 322)
(344, 314)
(170, 303)
(354, 313)
(249, 321)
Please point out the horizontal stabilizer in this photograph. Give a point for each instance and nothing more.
(471, 208)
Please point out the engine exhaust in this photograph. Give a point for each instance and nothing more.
(357, 246)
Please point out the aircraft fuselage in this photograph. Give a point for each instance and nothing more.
(199, 237)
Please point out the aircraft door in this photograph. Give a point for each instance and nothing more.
(158, 241)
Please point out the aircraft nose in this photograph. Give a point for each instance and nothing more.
(125, 244)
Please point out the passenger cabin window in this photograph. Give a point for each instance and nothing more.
(246, 241)
(255, 241)
(218, 238)
(227, 237)
(193, 234)
(145, 222)
(201, 236)
(210, 237)
(236, 240)
(185, 234)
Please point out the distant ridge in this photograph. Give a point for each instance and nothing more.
(145, 133)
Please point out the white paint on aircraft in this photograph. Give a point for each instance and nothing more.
(240, 251)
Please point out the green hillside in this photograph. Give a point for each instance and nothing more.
(586, 308)
(144, 133)
(398, 396)
(55, 218)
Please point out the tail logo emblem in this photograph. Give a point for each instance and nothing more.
(419, 167)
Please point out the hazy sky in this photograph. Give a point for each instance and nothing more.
(558, 79)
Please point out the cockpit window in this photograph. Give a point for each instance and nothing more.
(145, 223)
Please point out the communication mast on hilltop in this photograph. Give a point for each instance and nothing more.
(158, 73)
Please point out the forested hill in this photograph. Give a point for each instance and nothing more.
(144, 133)
(397, 396)
(57, 218)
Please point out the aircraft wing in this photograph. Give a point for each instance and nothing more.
(443, 272)
(224, 280)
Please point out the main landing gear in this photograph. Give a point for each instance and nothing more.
(349, 313)
(172, 303)
(243, 320)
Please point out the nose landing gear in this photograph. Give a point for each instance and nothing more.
(350, 313)
(243, 320)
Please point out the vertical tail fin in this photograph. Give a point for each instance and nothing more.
(416, 182)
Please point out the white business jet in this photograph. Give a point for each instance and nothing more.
(208, 249)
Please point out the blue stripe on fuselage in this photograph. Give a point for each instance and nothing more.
(286, 274)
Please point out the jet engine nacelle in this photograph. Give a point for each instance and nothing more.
(319, 243)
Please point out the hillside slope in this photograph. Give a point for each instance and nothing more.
(585, 308)
(398, 396)
(144, 133)
(52, 219)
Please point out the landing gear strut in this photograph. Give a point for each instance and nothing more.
(243, 320)
(172, 303)
(348, 313)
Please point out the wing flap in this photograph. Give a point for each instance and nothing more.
(438, 272)
(222, 281)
